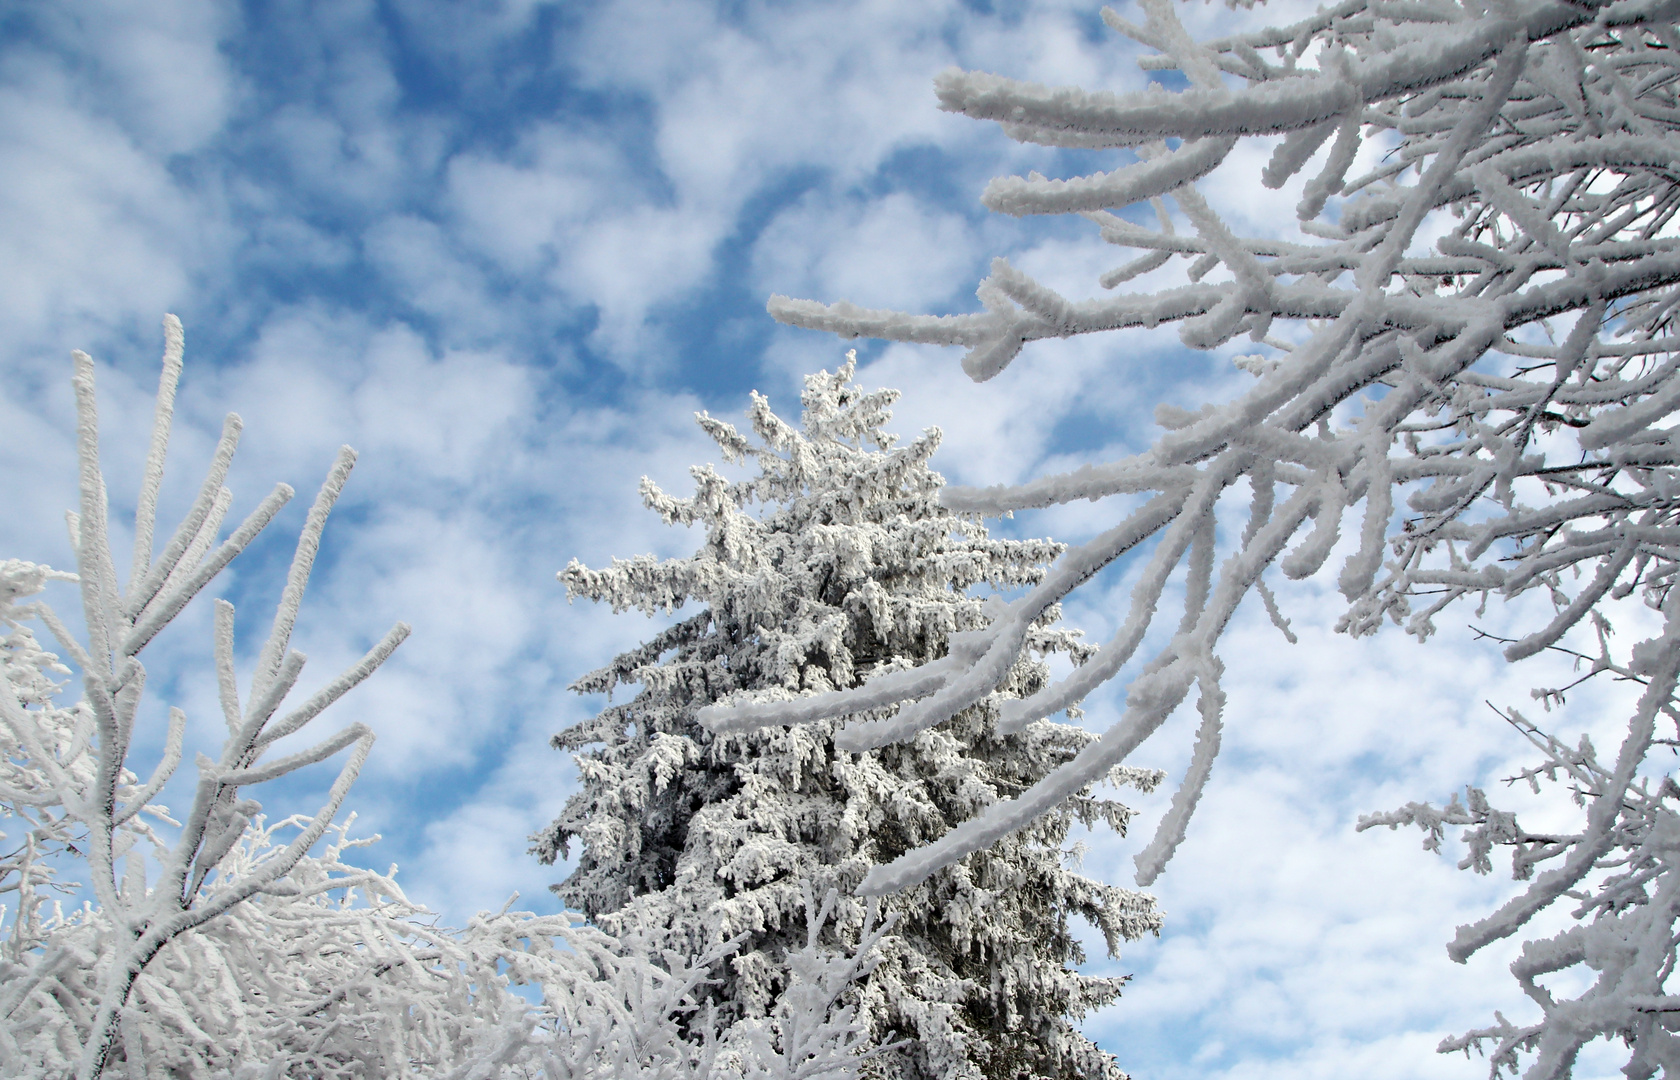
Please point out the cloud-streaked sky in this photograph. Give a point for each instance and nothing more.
(506, 250)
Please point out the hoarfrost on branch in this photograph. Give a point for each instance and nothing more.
(1473, 338)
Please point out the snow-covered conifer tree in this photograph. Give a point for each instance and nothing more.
(831, 566)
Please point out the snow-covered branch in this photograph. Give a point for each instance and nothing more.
(1618, 869)
(71, 766)
(1475, 336)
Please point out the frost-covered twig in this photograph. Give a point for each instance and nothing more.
(70, 767)
(1621, 871)
(1506, 385)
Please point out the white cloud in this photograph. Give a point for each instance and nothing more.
(483, 847)
(892, 251)
(522, 209)
(467, 31)
(91, 228)
(737, 103)
(158, 68)
(416, 256)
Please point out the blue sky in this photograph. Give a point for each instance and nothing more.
(506, 250)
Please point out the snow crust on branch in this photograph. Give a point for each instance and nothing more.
(1498, 399)
(1475, 338)
(1618, 869)
(68, 767)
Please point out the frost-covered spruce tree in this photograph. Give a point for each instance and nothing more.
(832, 565)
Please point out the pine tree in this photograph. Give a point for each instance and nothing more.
(849, 570)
